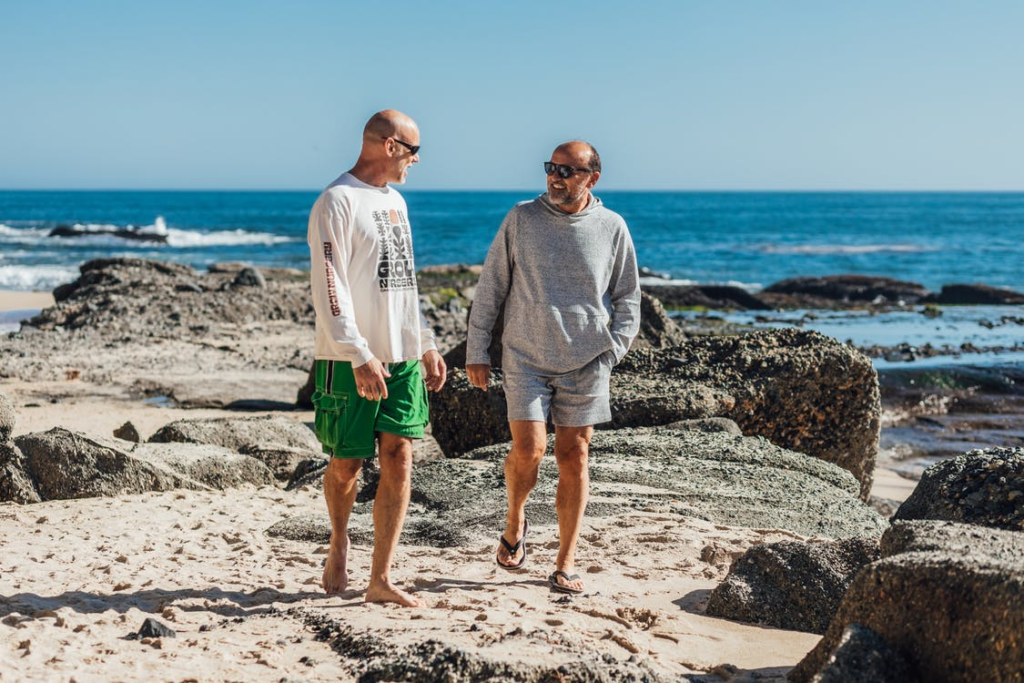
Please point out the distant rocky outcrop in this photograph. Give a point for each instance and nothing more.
(60, 464)
(827, 291)
(799, 389)
(953, 614)
(719, 297)
(791, 585)
(977, 294)
(132, 233)
(719, 477)
(984, 487)
(118, 296)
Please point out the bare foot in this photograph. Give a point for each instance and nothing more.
(335, 578)
(385, 592)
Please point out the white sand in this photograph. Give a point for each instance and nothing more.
(83, 574)
(19, 301)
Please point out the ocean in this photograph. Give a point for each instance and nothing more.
(751, 239)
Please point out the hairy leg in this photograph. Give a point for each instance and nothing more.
(340, 488)
(529, 441)
(572, 451)
(389, 510)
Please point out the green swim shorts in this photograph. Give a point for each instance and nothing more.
(346, 423)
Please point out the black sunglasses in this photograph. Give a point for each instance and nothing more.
(413, 149)
(563, 171)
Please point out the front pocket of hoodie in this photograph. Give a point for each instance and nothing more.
(328, 418)
(572, 337)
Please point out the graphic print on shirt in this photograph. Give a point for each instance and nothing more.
(395, 268)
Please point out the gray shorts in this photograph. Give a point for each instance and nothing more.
(573, 399)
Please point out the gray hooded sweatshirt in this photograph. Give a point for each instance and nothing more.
(570, 287)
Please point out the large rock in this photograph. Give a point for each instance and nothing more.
(791, 585)
(657, 329)
(845, 289)
(863, 656)
(799, 389)
(115, 297)
(278, 442)
(719, 477)
(7, 417)
(15, 485)
(983, 487)
(976, 294)
(62, 464)
(926, 536)
(705, 296)
(953, 615)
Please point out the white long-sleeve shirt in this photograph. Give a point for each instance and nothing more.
(363, 277)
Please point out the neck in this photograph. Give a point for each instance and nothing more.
(370, 173)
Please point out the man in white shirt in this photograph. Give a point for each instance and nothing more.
(370, 339)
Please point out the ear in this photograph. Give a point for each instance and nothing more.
(390, 146)
(593, 179)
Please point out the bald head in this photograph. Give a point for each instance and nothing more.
(583, 152)
(386, 124)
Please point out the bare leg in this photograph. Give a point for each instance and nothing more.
(529, 441)
(389, 509)
(340, 488)
(572, 450)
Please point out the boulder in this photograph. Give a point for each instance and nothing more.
(62, 464)
(15, 485)
(846, 289)
(799, 389)
(719, 477)
(983, 487)
(976, 294)
(954, 616)
(243, 434)
(118, 297)
(128, 432)
(792, 584)
(249, 277)
(657, 329)
(7, 417)
(863, 656)
(925, 536)
(718, 297)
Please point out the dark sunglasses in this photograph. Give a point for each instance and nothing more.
(563, 171)
(413, 149)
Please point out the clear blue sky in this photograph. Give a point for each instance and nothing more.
(675, 94)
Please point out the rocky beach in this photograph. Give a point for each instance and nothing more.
(767, 504)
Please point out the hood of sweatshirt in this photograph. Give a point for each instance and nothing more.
(595, 203)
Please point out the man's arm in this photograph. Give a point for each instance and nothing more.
(433, 364)
(330, 251)
(491, 291)
(625, 295)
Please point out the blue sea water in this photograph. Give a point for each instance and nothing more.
(747, 238)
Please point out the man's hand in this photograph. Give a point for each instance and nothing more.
(437, 371)
(370, 378)
(478, 374)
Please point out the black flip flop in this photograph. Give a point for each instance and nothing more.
(513, 549)
(561, 588)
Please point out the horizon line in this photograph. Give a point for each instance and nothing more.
(491, 190)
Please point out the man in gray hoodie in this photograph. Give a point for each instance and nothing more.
(565, 269)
